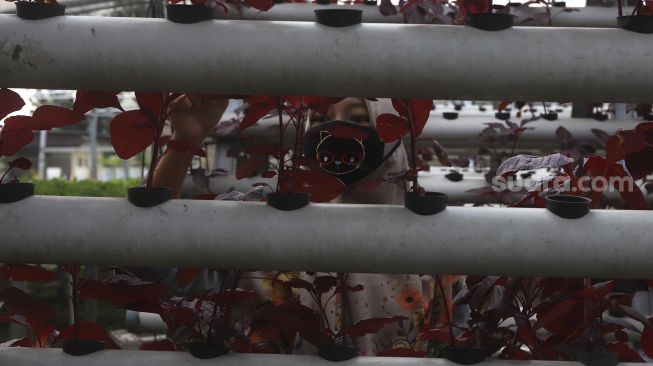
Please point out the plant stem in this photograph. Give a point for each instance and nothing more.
(452, 340)
(3, 176)
(413, 150)
(587, 314)
(620, 7)
(73, 275)
(282, 164)
(155, 145)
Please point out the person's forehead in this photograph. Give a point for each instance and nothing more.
(348, 103)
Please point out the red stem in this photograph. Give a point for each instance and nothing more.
(75, 307)
(413, 150)
(282, 163)
(452, 339)
(155, 145)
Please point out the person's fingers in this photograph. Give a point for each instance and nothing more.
(179, 103)
(196, 102)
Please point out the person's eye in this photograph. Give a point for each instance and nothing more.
(318, 118)
(362, 119)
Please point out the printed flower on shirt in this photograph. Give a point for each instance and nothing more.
(409, 299)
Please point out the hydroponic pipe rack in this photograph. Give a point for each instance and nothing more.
(591, 16)
(301, 58)
(32, 357)
(327, 237)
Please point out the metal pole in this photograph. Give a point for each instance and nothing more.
(92, 132)
(43, 141)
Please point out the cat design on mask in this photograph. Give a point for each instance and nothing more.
(349, 157)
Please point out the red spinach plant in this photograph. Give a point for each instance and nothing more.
(313, 326)
(413, 115)
(295, 174)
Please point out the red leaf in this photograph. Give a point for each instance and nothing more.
(258, 108)
(186, 275)
(318, 339)
(269, 174)
(558, 311)
(248, 168)
(162, 345)
(324, 283)
(15, 134)
(614, 150)
(400, 107)
(402, 352)
(150, 105)
(206, 197)
(373, 325)
(88, 331)
(131, 133)
(262, 5)
(647, 341)
(73, 269)
(439, 335)
(124, 292)
(626, 354)
(186, 147)
(10, 102)
(38, 314)
(504, 104)
(420, 110)
(390, 127)
(20, 163)
(346, 132)
(320, 186)
(47, 117)
(443, 158)
(87, 100)
(24, 272)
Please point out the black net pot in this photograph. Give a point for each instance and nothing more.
(490, 21)
(551, 116)
(188, 14)
(207, 351)
(426, 203)
(14, 192)
(36, 11)
(81, 347)
(600, 116)
(370, 2)
(598, 358)
(142, 197)
(338, 17)
(559, 4)
(450, 115)
(636, 23)
(337, 353)
(568, 206)
(288, 201)
(465, 355)
(502, 115)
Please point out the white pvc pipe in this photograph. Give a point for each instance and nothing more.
(593, 16)
(463, 132)
(327, 237)
(381, 60)
(54, 357)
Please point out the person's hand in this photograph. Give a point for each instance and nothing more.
(194, 118)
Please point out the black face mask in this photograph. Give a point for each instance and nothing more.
(349, 159)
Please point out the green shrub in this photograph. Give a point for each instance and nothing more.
(87, 188)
